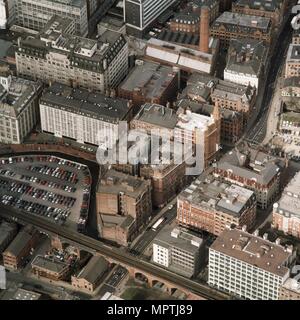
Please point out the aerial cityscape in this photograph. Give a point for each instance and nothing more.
(150, 150)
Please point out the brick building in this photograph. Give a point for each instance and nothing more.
(20, 247)
(273, 9)
(51, 269)
(149, 82)
(232, 25)
(123, 205)
(254, 170)
(211, 205)
(292, 64)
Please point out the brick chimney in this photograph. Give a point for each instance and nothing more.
(204, 29)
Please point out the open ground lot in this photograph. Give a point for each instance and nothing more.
(51, 187)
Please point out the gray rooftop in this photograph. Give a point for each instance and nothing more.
(19, 94)
(149, 77)
(209, 192)
(93, 270)
(157, 115)
(80, 101)
(49, 264)
(243, 21)
(20, 241)
(180, 238)
(251, 164)
(246, 56)
(268, 5)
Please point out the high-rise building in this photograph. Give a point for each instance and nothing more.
(139, 14)
(82, 115)
(248, 266)
(35, 14)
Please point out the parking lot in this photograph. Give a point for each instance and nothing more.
(51, 187)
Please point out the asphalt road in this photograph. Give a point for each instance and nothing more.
(149, 234)
(117, 255)
(257, 133)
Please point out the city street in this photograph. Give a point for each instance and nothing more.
(257, 126)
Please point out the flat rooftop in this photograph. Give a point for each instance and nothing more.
(267, 5)
(20, 92)
(290, 199)
(243, 21)
(84, 102)
(208, 192)
(253, 250)
(293, 54)
(150, 78)
(114, 182)
(179, 238)
(157, 115)
(48, 264)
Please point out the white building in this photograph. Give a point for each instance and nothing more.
(179, 251)
(35, 14)
(139, 14)
(246, 62)
(57, 55)
(248, 266)
(81, 115)
(18, 108)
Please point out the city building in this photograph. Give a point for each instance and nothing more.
(111, 23)
(212, 205)
(249, 266)
(289, 123)
(18, 108)
(19, 248)
(140, 14)
(179, 250)
(273, 9)
(149, 82)
(57, 55)
(232, 126)
(35, 14)
(167, 180)
(84, 116)
(7, 233)
(201, 130)
(155, 117)
(291, 93)
(21, 294)
(232, 25)
(123, 205)
(51, 269)
(224, 94)
(89, 278)
(185, 126)
(246, 62)
(254, 170)
(286, 216)
(213, 5)
(292, 64)
(186, 21)
(290, 290)
(189, 53)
